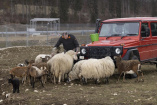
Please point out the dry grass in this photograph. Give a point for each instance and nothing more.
(128, 93)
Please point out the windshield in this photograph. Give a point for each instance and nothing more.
(119, 29)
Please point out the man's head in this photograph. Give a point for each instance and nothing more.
(65, 35)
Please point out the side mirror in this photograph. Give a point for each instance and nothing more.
(98, 21)
(147, 31)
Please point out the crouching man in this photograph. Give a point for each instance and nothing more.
(69, 43)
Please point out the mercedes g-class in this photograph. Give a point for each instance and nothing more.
(132, 38)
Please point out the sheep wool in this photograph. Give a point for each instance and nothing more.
(39, 57)
(93, 69)
(75, 70)
(61, 64)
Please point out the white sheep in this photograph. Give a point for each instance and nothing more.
(93, 69)
(42, 58)
(61, 64)
(75, 70)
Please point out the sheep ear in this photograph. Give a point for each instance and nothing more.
(26, 61)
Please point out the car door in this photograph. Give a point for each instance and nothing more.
(145, 43)
(154, 39)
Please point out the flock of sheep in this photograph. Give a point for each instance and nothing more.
(61, 64)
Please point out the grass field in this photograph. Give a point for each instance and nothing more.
(128, 93)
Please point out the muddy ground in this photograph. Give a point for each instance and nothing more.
(128, 93)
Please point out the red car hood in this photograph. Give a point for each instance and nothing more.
(118, 42)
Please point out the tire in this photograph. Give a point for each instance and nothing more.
(134, 57)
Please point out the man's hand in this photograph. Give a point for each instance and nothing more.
(77, 49)
(54, 49)
(52, 54)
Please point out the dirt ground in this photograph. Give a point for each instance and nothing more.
(128, 93)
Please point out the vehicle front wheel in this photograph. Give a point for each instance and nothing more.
(134, 57)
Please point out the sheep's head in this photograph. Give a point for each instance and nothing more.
(21, 65)
(44, 68)
(10, 80)
(118, 58)
(46, 72)
(70, 77)
(73, 54)
(75, 57)
(45, 59)
(29, 62)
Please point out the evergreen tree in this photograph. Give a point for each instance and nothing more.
(93, 7)
(154, 11)
(63, 10)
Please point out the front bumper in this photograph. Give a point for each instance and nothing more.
(100, 51)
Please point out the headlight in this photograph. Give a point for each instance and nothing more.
(118, 51)
(83, 51)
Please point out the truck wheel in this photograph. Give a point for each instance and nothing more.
(134, 57)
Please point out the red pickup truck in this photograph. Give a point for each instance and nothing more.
(133, 38)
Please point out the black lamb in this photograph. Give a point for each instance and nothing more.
(16, 84)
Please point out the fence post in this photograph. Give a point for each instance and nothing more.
(27, 37)
(47, 32)
(6, 37)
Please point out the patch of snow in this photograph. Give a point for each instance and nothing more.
(36, 91)
(1, 100)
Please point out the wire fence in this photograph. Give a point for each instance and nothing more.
(19, 35)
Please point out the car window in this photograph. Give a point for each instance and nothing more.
(154, 29)
(144, 27)
(119, 29)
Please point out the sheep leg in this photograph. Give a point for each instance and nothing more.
(142, 76)
(24, 79)
(59, 78)
(85, 80)
(63, 78)
(32, 81)
(106, 80)
(124, 77)
(40, 78)
(54, 77)
(137, 76)
(96, 81)
(119, 76)
(43, 79)
(51, 77)
(14, 89)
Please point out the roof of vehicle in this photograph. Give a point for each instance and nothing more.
(131, 19)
